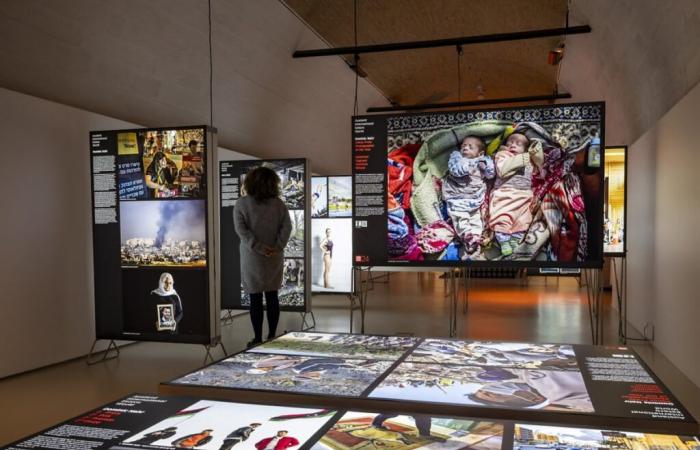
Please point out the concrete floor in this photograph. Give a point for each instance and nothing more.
(544, 310)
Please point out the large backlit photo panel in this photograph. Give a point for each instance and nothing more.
(294, 293)
(501, 187)
(153, 234)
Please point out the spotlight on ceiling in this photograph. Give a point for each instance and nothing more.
(555, 56)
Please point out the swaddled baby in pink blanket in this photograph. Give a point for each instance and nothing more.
(509, 208)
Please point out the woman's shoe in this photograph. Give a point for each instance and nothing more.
(253, 343)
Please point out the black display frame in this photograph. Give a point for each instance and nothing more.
(373, 404)
(589, 264)
(328, 216)
(623, 253)
(229, 240)
(211, 310)
(507, 439)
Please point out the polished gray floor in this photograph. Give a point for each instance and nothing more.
(544, 310)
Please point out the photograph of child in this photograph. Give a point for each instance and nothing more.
(503, 185)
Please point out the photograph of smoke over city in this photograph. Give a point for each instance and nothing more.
(163, 233)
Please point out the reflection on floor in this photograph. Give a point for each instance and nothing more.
(544, 310)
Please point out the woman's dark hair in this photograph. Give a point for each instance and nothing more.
(157, 157)
(262, 183)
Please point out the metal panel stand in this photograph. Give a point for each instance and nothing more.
(111, 352)
(363, 284)
(307, 325)
(228, 318)
(208, 357)
(594, 290)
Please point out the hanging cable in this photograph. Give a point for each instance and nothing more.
(211, 75)
(563, 46)
(357, 59)
(459, 73)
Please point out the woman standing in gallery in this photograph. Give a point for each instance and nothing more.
(327, 250)
(262, 222)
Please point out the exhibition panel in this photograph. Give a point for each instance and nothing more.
(331, 234)
(142, 421)
(293, 173)
(552, 383)
(147, 422)
(614, 242)
(520, 187)
(153, 234)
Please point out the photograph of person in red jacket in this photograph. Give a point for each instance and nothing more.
(278, 442)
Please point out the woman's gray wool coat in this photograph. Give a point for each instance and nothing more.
(259, 224)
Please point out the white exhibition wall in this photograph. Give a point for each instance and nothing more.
(46, 287)
(664, 218)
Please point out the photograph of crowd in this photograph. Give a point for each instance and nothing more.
(216, 425)
(161, 164)
(368, 431)
(355, 346)
(497, 354)
(295, 246)
(288, 373)
(487, 386)
(510, 185)
(319, 197)
(340, 196)
(537, 437)
(163, 233)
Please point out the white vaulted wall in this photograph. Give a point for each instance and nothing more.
(663, 237)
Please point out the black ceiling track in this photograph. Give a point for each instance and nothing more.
(465, 40)
(495, 101)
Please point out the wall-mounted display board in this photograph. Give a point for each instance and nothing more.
(331, 234)
(615, 211)
(153, 234)
(164, 422)
(294, 294)
(517, 187)
(550, 383)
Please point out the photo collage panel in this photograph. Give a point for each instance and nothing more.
(292, 174)
(161, 177)
(331, 234)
